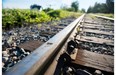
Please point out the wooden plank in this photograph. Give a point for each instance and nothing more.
(95, 40)
(97, 27)
(31, 45)
(98, 32)
(60, 27)
(96, 23)
(95, 60)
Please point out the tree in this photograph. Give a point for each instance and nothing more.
(89, 9)
(110, 5)
(75, 5)
(96, 8)
(107, 7)
(104, 8)
(47, 9)
(83, 10)
(35, 7)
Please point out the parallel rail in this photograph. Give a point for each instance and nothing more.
(36, 62)
(104, 17)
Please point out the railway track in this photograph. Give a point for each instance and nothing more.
(96, 45)
(93, 53)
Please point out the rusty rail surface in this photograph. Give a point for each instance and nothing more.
(36, 62)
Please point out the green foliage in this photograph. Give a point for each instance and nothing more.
(83, 10)
(35, 6)
(110, 5)
(67, 8)
(92, 16)
(39, 25)
(47, 9)
(73, 8)
(75, 5)
(75, 15)
(54, 13)
(107, 7)
(19, 17)
(70, 9)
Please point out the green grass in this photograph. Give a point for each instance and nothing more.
(92, 16)
(18, 17)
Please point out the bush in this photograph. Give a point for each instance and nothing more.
(19, 17)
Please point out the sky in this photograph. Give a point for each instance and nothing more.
(55, 4)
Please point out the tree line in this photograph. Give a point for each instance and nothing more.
(107, 7)
(73, 8)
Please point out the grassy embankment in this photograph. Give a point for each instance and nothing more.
(23, 17)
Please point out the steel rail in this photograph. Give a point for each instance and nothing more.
(35, 63)
(104, 17)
